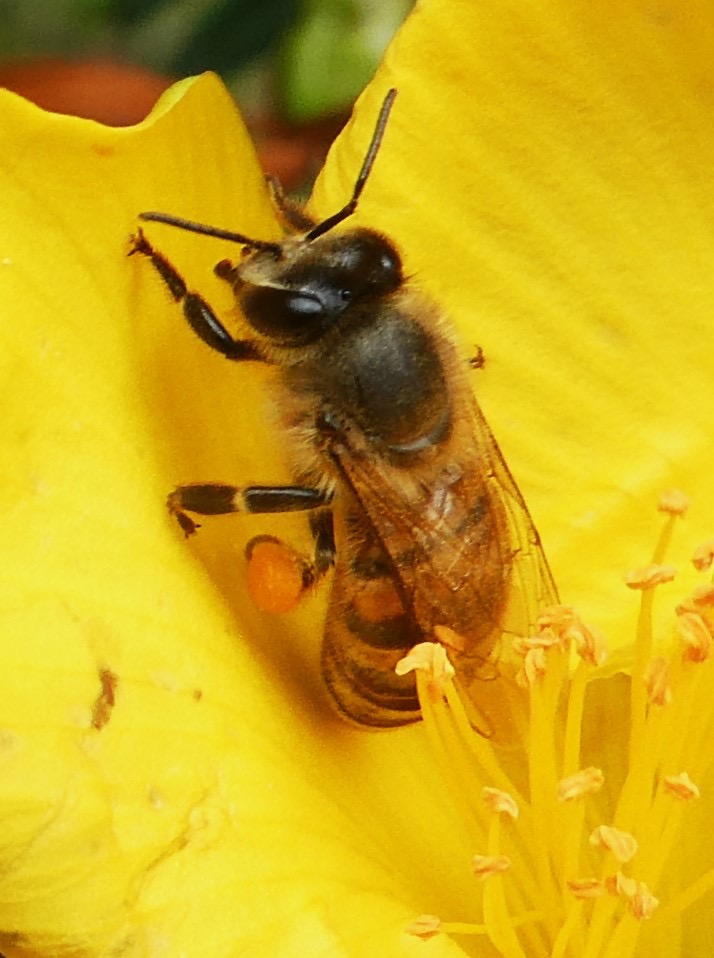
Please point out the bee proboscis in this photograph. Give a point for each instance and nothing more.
(408, 494)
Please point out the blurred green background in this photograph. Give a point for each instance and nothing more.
(300, 58)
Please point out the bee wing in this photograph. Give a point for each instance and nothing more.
(533, 586)
(457, 544)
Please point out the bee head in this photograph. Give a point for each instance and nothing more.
(293, 298)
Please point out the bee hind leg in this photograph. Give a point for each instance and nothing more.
(278, 576)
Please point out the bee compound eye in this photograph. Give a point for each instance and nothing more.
(304, 306)
(284, 316)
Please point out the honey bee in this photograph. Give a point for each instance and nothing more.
(409, 497)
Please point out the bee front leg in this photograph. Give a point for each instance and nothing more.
(198, 314)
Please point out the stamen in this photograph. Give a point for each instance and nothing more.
(696, 636)
(620, 885)
(704, 556)
(424, 927)
(680, 786)
(674, 502)
(643, 903)
(486, 866)
(559, 618)
(650, 576)
(431, 659)
(534, 667)
(701, 598)
(498, 801)
(656, 681)
(531, 835)
(623, 845)
(587, 888)
(546, 640)
(589, 644)
(585, 782)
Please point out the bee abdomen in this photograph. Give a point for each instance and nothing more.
(367, 632)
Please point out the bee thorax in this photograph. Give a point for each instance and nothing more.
(387, 380)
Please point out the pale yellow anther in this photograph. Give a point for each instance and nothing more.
(700, 598)
(424, 927)
(680, 786)
(623, 845)
(620, 885)
(534, 666)
(429, 657)
(546, 640)
(499, 802)
(486, 866)
(589, 644)
(557, 618)
(674, 502)
(650, 576)
(585, 782)
(643, 903)
(656, 679)
(704, 556)
(694, 633)
(585, 888)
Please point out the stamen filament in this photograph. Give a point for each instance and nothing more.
(643, 643)
(495, 910)
(687, 897)
(436, 726)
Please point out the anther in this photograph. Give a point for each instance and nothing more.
(623, 845)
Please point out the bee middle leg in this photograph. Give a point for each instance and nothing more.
(222, 499)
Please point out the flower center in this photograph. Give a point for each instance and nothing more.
(576, 837)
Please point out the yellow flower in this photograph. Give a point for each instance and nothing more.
(171, 780)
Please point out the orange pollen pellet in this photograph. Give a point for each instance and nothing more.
(649, 576)
(500, 802)
(704, 556)
(585, 782)
(275, 576)
(680, 786)
(656, 681)
(424, 927)
(673, 502)
(623, 845)
(694, 633)
(486, 866)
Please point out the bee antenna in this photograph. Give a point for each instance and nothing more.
(374, 145)
(214, 231)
